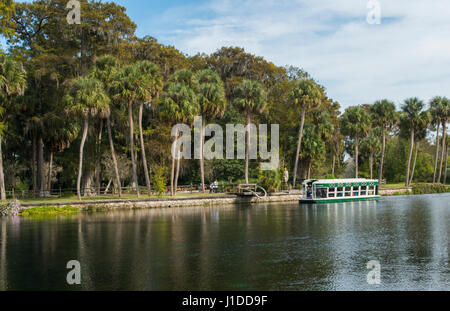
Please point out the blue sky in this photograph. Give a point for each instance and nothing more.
(406, 55)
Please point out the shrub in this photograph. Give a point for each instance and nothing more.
(271, 180)
(159, 182)
(429, 188)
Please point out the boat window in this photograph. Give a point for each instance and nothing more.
(348, 191)
(340, 192)
(371, 190)
(321, 193)
(363, 190)
(355, 192)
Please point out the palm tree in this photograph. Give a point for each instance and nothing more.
(250, 99)
(305, 95)
(436, 114)
(86, 97)
(446, 163)
(412, 117)
(384, 117)
(371, 145)
(444, 119)
(58, 131)
(12, 83)
(420, 134)
(105, 68)
(136, 83)
(180, 104)
(355, 123)
(212, 104)
(153, 82)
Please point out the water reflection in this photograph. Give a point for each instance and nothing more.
(264, 247)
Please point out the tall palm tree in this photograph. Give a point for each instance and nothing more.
(105, 68)
(250, 99)
(371, 146)
(152, 80)
(305, 95)
(436, 114)
(444, 119)
(12, 83)
(420, 134)
(385, 117)
(180, 104)
(59, 132)
(355, 123)
(412, 116)
(86, 97)
(135, 84)
(212, 104)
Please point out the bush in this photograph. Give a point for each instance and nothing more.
(159, 182)
(330, 176)
(271, 180)
(430, 188)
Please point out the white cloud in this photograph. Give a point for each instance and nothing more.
(407, 55)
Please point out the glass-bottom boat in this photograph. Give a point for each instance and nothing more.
(339, 190)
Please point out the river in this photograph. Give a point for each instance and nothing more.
(259, 247)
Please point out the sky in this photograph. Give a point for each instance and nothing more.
(406, 55)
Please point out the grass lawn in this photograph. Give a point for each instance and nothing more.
(74, 198)
(393, 186)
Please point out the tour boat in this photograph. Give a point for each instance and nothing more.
(339, 190)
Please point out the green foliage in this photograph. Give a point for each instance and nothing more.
(429, 189)
(330, 176)
(50, 211)
(159, 181)
(271, 180)
(355, 122)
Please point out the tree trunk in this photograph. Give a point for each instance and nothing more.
(144, 158)
(247, 147)
(356, 156)
(33, 166)
(408, 167)
(309, 169)
(446, 165)
(133, 160)
(2, 175)
(383, 151)
(333, 165)
(444, 136)
(50, 168)
(202, 159)
(87, 183)
(113, 156)
(414, 163)
(299, 145)
(98, 166)
(172, 176)
(371, 165)
(41, 168)
(107, 187)
(80, 164)
(436, 157)
(177, 171)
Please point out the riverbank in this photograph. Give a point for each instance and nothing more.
(184, 200)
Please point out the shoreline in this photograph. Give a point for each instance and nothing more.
(187, 201)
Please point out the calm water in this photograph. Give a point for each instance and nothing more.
(264, 247)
